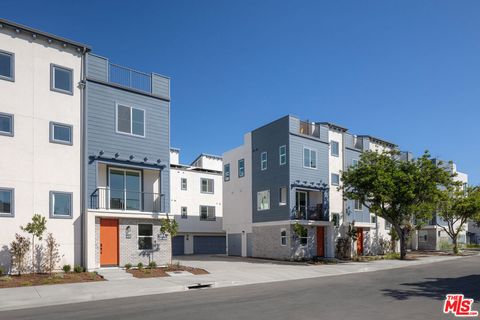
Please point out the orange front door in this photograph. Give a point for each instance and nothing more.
(108, 242)
(320, 242)
(359, 241)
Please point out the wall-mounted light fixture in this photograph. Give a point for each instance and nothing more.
(128, 232)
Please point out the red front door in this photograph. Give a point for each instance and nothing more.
(359, 241)
(320, 241)
(108, 242)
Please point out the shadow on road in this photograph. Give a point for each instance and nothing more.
(437, 288)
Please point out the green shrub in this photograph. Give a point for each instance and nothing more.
(128, 266)
(67, 268)
(152, 264)
(78, 269)
(392, 256)
(2, 271)
(473, 245)
(140, 266)
(445, 245)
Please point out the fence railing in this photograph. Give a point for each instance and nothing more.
(310, 129)
(315, 213)
(126, 200)
(130, 78)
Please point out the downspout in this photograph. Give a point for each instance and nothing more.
(83, 141)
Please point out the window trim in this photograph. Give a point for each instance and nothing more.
(331, 179)
(181, 184)
(283, 237)
(131, 134)
(241, 166)
(52, 205)
(263, 161)
(355, 207)
(207, 219)
(52, 79)
(12, 119)
(12, 66)
(139, 236)
(337, 154)
(52, 135)
(226, 173)
(280, 203)
(269, 200)
(316, 159)
(213, 186)
(12, 204)
(186, 212)
(284, 154)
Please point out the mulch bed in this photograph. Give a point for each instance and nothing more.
(26, 280)
(162, 271)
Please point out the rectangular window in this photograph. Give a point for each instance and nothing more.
(61, 79)
(6, 202)
(263, 200)
(388, 225)
(282, 155)
(336, 219)
(422, 236)
(335, 148)
(145, 237)
(354, 162)
(309, 158)
(130, 120)
(373, 219)
(226, 172)
(358, 205)
(60, 204)
(183, 183)
(241, 168)
(283, 237)
(184, 212)
(263, 161)
(207, 213)
(7, 65)
(335, 179)
(282, 196)
(206, 185)
(6, 124)
(61, 133)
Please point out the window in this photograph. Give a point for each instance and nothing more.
(60, 133)
(183, 183)
(207, 213)
(283, 155)
(7, 65)
(263, 161)
(130, 121)
(358, 205)
(61, 79)
(282, 197)
(184, 212)
(60, 204)
(309, 158)
(335, 179)
(422, 236)
(6, 202)
(354, 162)
(373, 219)
(388, 225)
(335, 148)
(263, 200)
(145, 237)
(226, 172)
(283, 237)
(206, 185)
(241, 168)
(303, 236)
(6, 124)
(336, 219)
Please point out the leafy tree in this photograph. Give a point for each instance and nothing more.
(36, 228)
(18, 251)
(401, 192)
(52, 255)
(456, 208)
(169, 226)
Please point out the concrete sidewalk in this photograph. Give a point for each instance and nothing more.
(224, 272)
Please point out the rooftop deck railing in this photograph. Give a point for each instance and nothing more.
(130, 78)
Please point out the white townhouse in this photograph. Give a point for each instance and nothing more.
(41, 92)
(196, 204)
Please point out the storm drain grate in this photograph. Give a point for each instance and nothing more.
(199, 286)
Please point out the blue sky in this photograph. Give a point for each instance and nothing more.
(405, 71)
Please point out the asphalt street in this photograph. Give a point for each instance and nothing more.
(415, 292)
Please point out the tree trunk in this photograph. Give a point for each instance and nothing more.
(403, 237)
(455, 244)
(33, 254)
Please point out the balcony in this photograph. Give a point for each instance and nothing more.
(126, 200)
(309, 129)
(130, 78)
(315, 213)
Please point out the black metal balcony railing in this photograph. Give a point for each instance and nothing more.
(310, 129)
(130, 78)
(126, 200)
(315, 213)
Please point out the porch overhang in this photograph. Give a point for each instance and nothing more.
(311, 186)
(130, 162)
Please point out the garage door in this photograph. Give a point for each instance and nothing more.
(209, 245)
(178, 245)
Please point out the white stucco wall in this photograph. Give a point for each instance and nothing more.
(335, 167)
(30, 163)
